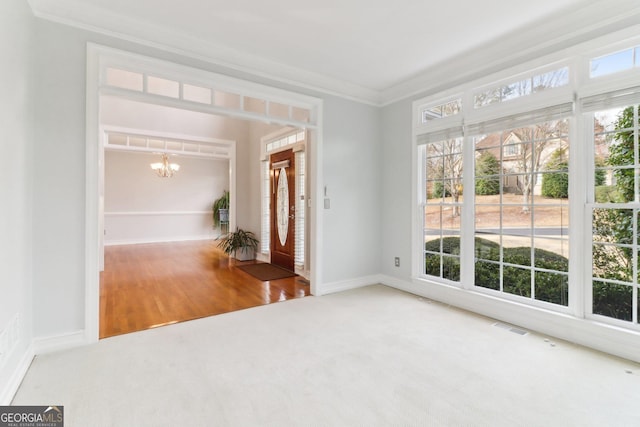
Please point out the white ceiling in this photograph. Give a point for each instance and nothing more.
(358, 48)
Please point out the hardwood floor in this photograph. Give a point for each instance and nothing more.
(150, 285)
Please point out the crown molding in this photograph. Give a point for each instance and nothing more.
(564, 30)
(82, 16)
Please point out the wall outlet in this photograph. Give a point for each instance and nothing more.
(397, 261)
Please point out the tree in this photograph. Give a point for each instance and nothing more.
(613, 228)
(536, 138)
(530, 158)
(488, 174)
(555, 183)
(621, 153)
(444, 169)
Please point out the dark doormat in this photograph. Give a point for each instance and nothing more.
(264, 271)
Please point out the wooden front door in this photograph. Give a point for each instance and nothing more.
(283, 209)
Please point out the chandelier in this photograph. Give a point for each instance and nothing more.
(164, 169)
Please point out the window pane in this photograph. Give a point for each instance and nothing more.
(443, 169)
(552, 79)
(551, 287)
(552, 254)
(278, 110)
(255, 105)
(487, 247)
(226, 100)
(612, 300)
(522, 87)
(517, 281)
(452, 108)
(124, 79)
(615, 246)
(612, 262)
(487, 275)
(301, 114)
(432, 113)
(163, 87)
(613, 63)
(447, 109)
(432, 265)
(451, 268)
(612, 226)
(488, 97)
(516, 90)
(521, 212)
(433, 218)
(196, 94)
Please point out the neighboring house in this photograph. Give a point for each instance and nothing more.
(513, 154)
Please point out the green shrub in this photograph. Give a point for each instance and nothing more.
(551, 287)
(608, 194)
(613, 300)
(439, 190)
(555, 183)
(487, 173)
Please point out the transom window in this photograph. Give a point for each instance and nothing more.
(446, 109)
(522, 87)
(536, 201)
(615, 62)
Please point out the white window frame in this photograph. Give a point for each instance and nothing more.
(580, 87)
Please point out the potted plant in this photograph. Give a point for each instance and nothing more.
(240, 244)
(221, 210)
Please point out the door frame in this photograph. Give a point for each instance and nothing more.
(98, 58)
(288, 157)
(299, 146)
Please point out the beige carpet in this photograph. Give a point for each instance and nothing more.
(369, 357)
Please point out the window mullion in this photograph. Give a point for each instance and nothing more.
(467, 224)
(581, 173)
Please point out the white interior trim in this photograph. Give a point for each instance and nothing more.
(8, 391)
(596, 18)
(98, 57)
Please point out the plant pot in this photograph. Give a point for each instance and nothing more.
(244, 254)
(223, 214)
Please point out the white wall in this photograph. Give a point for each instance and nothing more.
(351, 234)
(16, 122)
(352, 176)
(141, 207)
(396, 187)
(129, 114)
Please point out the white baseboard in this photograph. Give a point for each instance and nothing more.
(589, 333)
(8, 391)
(59, 342)
(159, 240)
(345, 285)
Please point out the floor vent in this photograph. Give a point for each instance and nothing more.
(510, 328)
